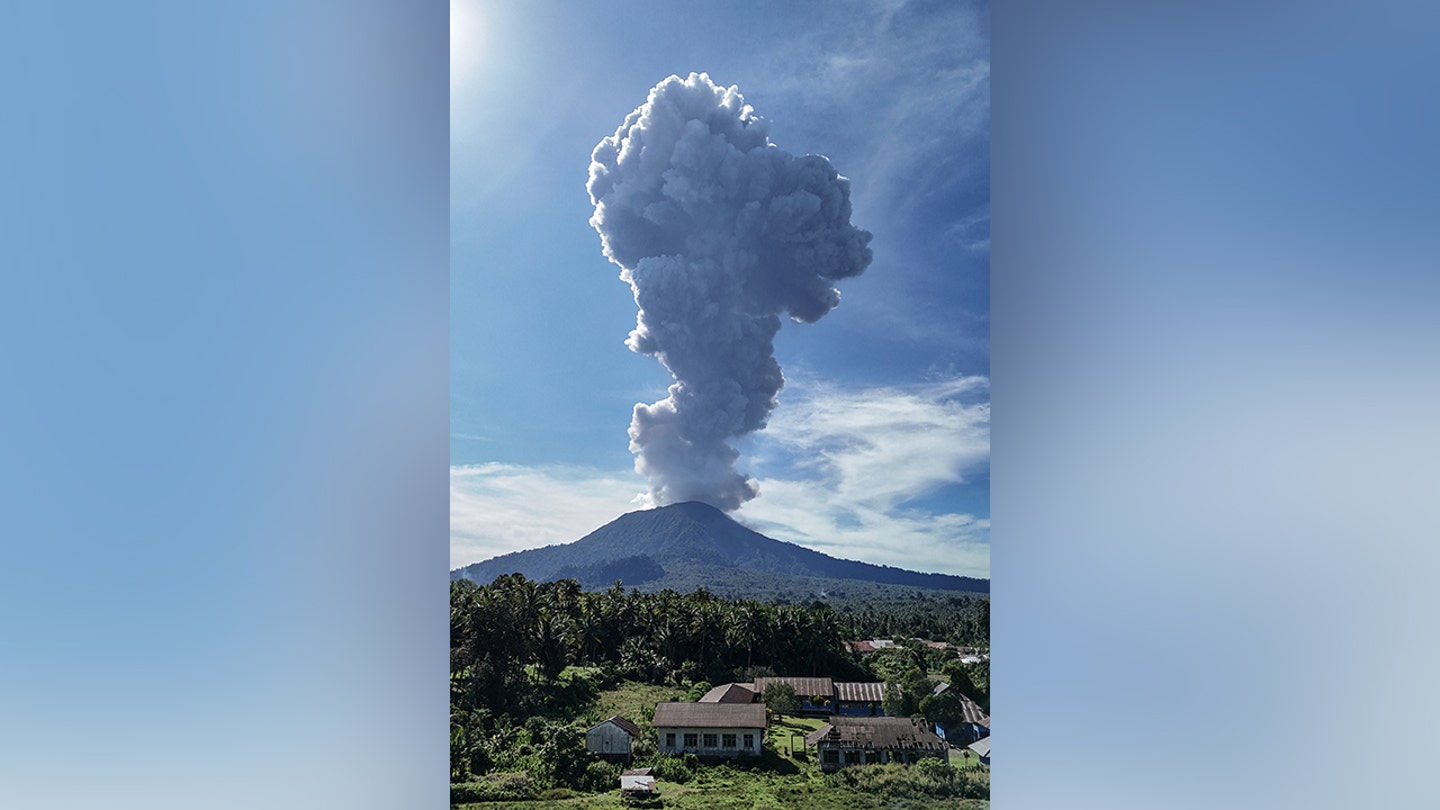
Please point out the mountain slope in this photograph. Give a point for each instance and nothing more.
(685, 545)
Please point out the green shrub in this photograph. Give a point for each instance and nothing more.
(510, 786)
(599, 777)
(674, 769)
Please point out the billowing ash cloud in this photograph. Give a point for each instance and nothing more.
(718, 232)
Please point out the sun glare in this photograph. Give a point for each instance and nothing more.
(464, 39)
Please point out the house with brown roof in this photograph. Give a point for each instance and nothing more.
(612, 738)
(817, 695)
(731, 693)
(710, 729)
(847, 741)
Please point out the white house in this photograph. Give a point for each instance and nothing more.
(710, 729)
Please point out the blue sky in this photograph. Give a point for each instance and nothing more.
(879, 449)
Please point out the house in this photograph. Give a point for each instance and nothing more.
(981, 747)
(817, 695)
(859, 647)
(637, 783)
(612, 738)
(846, 741)
(973, 725)
(710, 729)
(860, 699)
(731, 693)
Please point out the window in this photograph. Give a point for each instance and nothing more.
(750, 741)
(691, 740)
(832, 757)
(669, 740)
(872, 757)
(852, 757)
(709, 740)
(727, 740)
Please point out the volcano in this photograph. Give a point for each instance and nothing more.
(688, 545)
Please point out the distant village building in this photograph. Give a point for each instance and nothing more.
(731, 693)
(848, 741)
(612, 738)
(817, 695)
(973, 725)
(710, 729)
(860, 699)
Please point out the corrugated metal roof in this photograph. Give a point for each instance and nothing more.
(630, 728)
(871, 691)
(716, 715)
(972, 712)
(877, 732)
(804, 687)
(981, 746)
(729, 693)
(641, 783)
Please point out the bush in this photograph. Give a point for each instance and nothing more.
(599, 777)
(697, 691)
(512, 786)
(674, 769)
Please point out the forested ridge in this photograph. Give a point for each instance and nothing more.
(528, 660)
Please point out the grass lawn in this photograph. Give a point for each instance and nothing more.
(634, 701)
(788, 735)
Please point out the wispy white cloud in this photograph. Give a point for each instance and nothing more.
(839, 469)
(499, 508)
(870, 454)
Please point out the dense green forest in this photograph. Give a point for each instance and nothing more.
(529, 660)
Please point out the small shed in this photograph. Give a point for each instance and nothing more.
(637, 782)
(612, 738)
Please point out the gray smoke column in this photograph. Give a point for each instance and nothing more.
(718, 232)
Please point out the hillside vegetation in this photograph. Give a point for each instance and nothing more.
(534, 664)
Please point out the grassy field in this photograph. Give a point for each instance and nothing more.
(787, 736)
(634, 702)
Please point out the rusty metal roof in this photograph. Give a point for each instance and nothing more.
(972, 712)
(877, 732)
(713, 715)
(804, 687)
(872, 691)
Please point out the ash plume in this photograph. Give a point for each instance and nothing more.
(718, 232)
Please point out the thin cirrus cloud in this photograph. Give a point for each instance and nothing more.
(499, 508)
(864, 455)
(839, 469)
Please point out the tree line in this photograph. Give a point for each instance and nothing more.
(523, 651)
